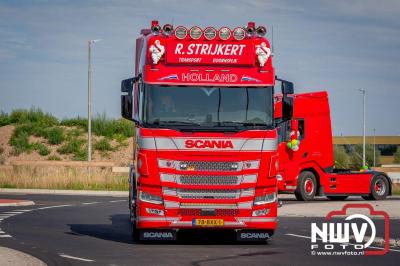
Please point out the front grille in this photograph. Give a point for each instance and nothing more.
(208, 180)
(208, 166)
(208, 194)
(217, 212)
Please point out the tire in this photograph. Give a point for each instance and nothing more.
(134, 231)
(337, 197)
(306, 186)
(379, 188)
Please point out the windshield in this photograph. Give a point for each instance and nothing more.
(208, 107)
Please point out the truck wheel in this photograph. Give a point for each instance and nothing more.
(337, 197)
(379, 188)
(306, 186)
(135, 232)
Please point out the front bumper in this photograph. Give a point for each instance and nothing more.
(240, 219)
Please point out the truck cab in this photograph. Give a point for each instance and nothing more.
(308, 170)
(205, 155)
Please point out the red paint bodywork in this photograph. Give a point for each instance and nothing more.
(203, 146)
(316, 150)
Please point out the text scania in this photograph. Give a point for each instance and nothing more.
(210, 49)
(211, 144)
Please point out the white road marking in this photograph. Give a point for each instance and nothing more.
(308, 237)
(112, 201)
(2, 232)
(24, 210)
(4, 236)
(75, 258)
(51, 207)
(90, 203)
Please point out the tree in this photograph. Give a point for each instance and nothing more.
(356, 156)
(397, 155)
(342, 159)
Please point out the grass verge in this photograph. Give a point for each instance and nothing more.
(54, 177)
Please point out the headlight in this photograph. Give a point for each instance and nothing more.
(147, 197)
(260, 212)
(264, 199)
(166, 163)
(251, 164)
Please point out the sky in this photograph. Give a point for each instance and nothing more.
(337, 46)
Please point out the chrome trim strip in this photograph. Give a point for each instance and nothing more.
(239, 144)
(210, 206)
(256, 219)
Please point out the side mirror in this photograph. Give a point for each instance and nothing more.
(127, 99)
(287, 87)
(287, 108)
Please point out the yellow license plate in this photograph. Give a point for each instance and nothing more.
(208, 222)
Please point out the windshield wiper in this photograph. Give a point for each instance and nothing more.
(242, 124)
(175, 123)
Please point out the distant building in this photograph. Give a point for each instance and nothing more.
(387, 145)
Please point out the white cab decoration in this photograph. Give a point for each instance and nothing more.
(157, 50)
(263, 53)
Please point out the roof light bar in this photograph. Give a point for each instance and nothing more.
(239, 34)
(155, 27)
(210, 33)
(261, 31)
(224, 33)
(195, 33)
(251, 28)
(180, 32)
(167, 29)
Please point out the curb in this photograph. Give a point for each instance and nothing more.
(9, 202)
(9, 257)
(66, 192)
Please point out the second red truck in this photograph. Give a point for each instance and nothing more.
(306, 162)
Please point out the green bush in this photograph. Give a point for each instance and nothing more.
(342, 159)
(55, 135)
(75, 122)
(356, 156)
(41, 148)
(103, 145)
(81, 155)
(71, 147)
(121, 139)
(397, 155)
(4, 119)
(53, 158)
(103, 126)
(33, 115)
(20, 142)
(73, 133)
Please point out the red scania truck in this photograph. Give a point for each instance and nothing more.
(308, 170)
(205, 152)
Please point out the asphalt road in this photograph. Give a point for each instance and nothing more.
(84, 230)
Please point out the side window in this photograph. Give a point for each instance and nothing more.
(301, 129)
(284, 131)
(281, 132)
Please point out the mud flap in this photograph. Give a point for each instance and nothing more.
(157, 235)
(253, 235)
